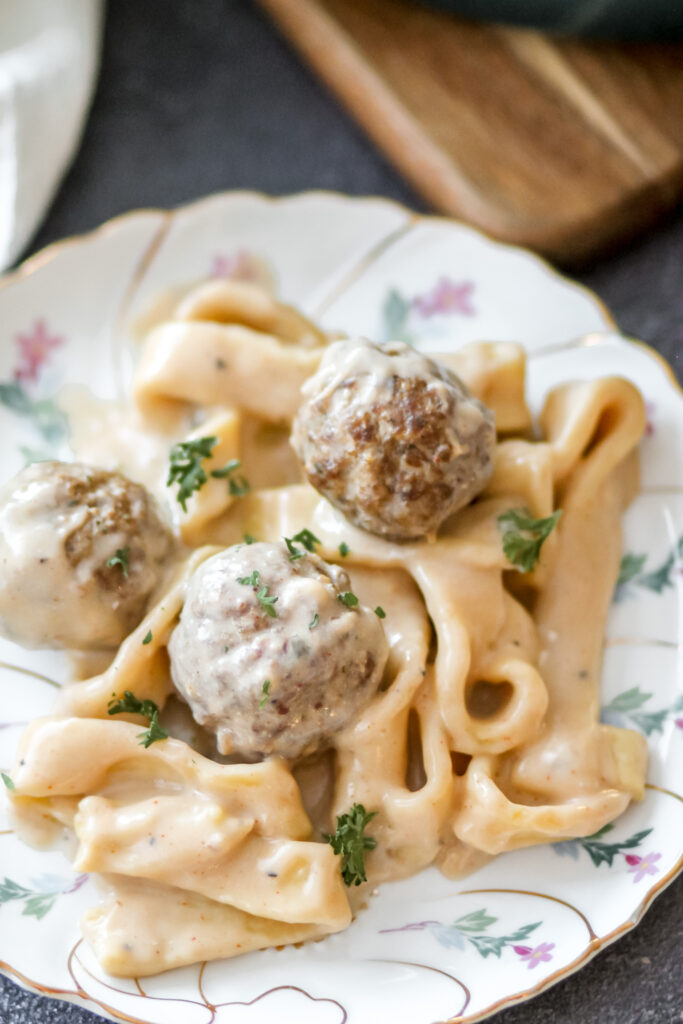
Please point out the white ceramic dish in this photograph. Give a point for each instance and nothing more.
(426, 949)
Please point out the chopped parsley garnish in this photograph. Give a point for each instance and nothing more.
(344, 549)
(154, 733)
(379, 612)
(186, 466)
(122, 559)
(523, 536)
(249, 581)
(227, 469)
(314, 621)
(264, 690)
(130, 704)
(305, 537)
(349, 599)
(237, 485)
(8, 781)
(148, 639)
(350, 843)
(264, 600)
(294, 551)
(267, 602)
(248, 539)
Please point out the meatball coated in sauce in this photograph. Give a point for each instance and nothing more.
(391, 438)
(60, 524)
(322, 660)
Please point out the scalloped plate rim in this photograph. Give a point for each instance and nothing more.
(110, 226)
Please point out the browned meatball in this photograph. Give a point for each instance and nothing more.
(273, 653)
(81, 551)
(395, 440)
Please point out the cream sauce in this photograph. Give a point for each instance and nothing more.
(234, 865)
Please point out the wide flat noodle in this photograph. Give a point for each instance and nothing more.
(236, 834)
(142, 928)
(484, 736)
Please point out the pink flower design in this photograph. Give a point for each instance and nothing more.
(446, 297)
(536, 955)
(650, 410)
(78, 884)
(678, 722)
(34, 350)
(240, 266)
(641, 866)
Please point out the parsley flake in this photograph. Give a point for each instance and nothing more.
(148, 639)
(130, 704)
(344, 549)
(264, 690)
(314, 621)
(248, 539)
(267, 602)
(186, 466)
(8, 781)
(523, 536)
(227, 469)
(349, 599)
(237, 485)
(122, 559)
(249, 581)
(305, 537)
(379, 612)
(350, 843)
(294, 551)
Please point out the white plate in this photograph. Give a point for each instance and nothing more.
(426, 949)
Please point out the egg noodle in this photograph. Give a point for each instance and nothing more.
(484, 736)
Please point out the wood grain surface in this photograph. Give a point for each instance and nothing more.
(563, 146)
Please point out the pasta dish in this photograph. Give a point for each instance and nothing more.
(335, 613)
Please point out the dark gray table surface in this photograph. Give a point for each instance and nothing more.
(197, 97)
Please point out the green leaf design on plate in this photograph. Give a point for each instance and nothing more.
(488, 945)
(630, 566)
(649, 721)
(44, 413)
(478, 921)
(49, 420)
(656, 580)
(34, 454)
(524, 932)
(630, 704)
(629, 700)
(493, 945)
(604, 853)
(395, 313)
(38, 906)
(9, 890)
(659, 579)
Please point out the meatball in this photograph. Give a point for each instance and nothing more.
(272, 652)
(391, 438)
(81, 551)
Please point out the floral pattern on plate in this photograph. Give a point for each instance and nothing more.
(24, 396)
(406, 319)
(40, 898)
(474, 928)
(523, 920)
(599, 851)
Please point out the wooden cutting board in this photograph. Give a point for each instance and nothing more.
(564, 146)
